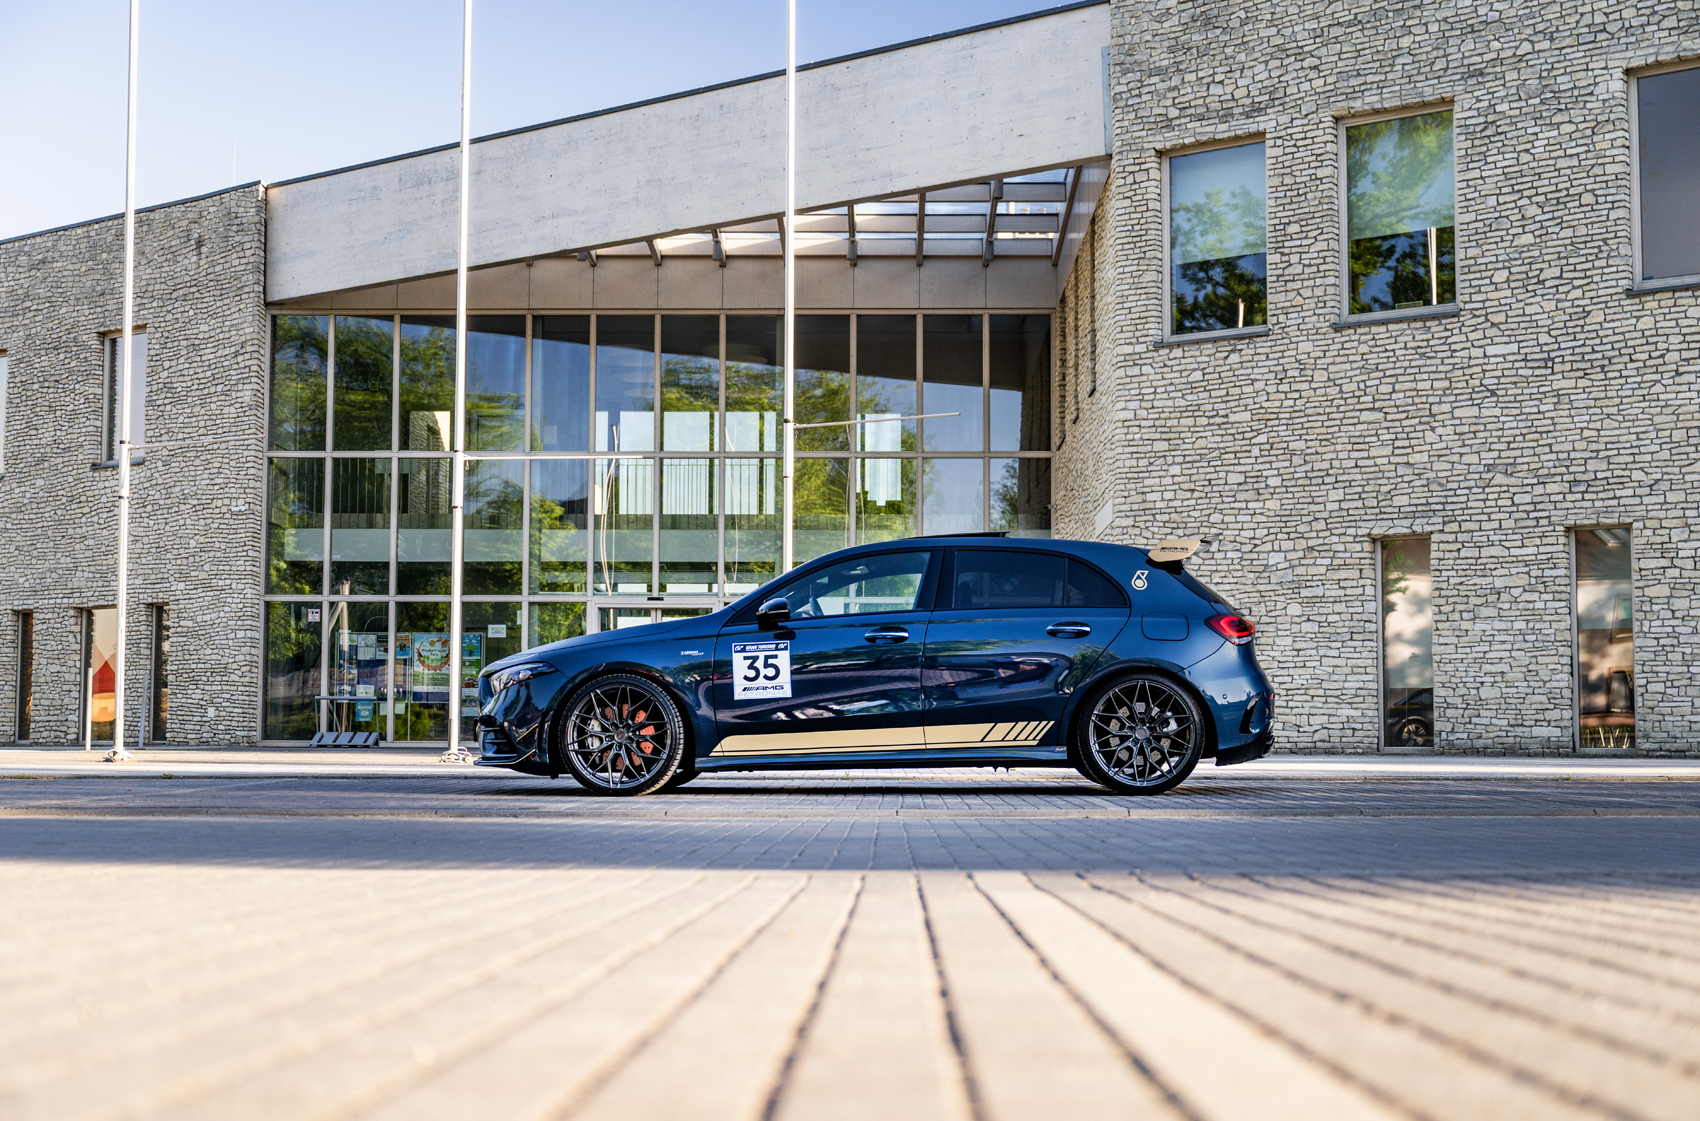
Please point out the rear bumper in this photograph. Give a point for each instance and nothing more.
(1246, 752)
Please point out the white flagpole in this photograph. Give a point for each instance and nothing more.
(457, 551)
(118, 754)
(787, 545)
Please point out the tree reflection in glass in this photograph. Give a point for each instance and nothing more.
(690, 381)
(422, 526)
(295, 526)
(823, 382)
(360, 527)
(1400, 221)
(494, 520)
(364, 361)
(495, 382)
(1218, 240)
(820, 516)
(427, 382)
(560, 524)
(300, 350)
(1407, 637)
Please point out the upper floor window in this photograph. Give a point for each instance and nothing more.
(1218, 235)
(1667, 149)
(1400, 243)
(138, 391)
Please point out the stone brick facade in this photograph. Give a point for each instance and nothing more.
(196, 512)
(1553, 400)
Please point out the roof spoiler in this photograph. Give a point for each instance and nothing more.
(1172, 553)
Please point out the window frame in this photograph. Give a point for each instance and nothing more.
(1378, 561)
(1636, 283)
(1344, 275)
(1570, 533)
(1166, 321)
(23, 680)
(110, 342)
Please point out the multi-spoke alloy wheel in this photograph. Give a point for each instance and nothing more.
(1140, 735)
(622, 735)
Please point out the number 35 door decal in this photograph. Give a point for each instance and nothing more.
(761, 669)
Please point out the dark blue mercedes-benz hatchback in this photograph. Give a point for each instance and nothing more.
(964, 651)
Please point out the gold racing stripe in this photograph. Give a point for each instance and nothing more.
(788, 742)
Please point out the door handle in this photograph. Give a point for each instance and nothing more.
(1068, 630)
(886, 634)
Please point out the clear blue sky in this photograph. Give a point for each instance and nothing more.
(233, 91)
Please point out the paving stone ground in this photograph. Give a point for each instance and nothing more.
(294, 938)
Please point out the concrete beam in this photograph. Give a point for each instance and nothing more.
(997, 101)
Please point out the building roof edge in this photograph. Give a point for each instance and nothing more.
(729, 84)
(139, 210)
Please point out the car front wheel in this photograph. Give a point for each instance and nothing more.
(622, 736)
(1139, 734)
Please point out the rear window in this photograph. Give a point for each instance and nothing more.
(1200, 588)
(988, 579)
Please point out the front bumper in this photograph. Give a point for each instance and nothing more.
(496, 749)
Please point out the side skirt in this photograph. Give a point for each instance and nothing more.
(935, 757)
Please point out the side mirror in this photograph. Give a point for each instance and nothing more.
(773, 614)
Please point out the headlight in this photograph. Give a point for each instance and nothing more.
(504, 679)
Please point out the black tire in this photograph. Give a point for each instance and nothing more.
(1413, 732)
(680, 777)
(1139, 734)
(621, 736)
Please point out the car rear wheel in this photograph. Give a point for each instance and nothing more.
(622, 736)
(1413, 732)
(1139, 734)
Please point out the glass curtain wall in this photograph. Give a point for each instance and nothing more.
(1400, 230)
(1605, 637)
(1407, 643)
(620, 467)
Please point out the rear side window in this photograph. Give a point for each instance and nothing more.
(989, 579)
(1087, 587)
(992, 579)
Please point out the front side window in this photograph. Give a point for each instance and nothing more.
(859, 586)
(1605, 637)
(1407, 642)
(1218, 235)
(1667, 123)
(1400, 225)
(138, 391)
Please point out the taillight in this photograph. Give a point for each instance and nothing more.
(1234, 628)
